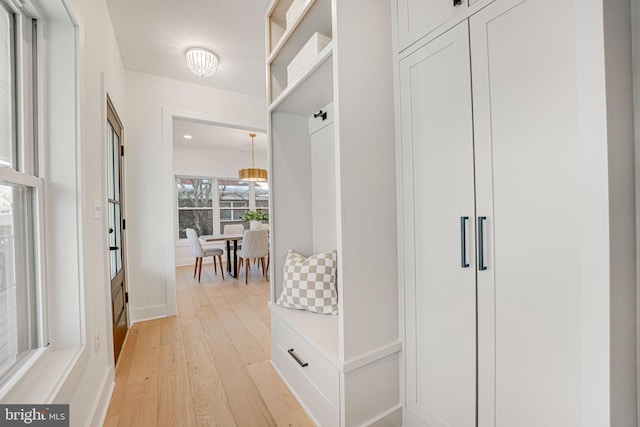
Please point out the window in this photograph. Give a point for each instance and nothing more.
(234, 200)
(262, 197)
(207, 204)
(195, 206)
(21, 195)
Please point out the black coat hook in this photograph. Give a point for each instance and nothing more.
(322, 114)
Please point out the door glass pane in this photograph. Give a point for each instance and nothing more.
(116, 165)
(17, 284)
(110, 171)
(7, 106)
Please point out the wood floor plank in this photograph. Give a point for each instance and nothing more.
(297, 418)
(264, 314)
(209, 398)
(246, 344)
(219, 302)
(213, 328)
(170, 331)
(141, 398)
(192, 331)
(111, 421)
(147, 352)
(202, 302)
(123, 368)
(248, 317)
(274, 392)
(187, 310)
(175, 405)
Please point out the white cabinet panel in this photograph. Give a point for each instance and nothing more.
(323, 189)
(416, 18)
(419, 18)
(437, 162)
(528, 186)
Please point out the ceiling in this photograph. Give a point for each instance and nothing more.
(154, 34)
(216, 137)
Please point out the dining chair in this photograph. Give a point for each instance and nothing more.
(255, 244)
(233, 229)
(266, 227)
(199, 252)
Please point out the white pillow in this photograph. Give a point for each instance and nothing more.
(310, 283)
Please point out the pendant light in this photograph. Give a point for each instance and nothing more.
(252, 174)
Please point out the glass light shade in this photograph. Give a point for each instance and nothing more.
(252, 174)
(201, 61)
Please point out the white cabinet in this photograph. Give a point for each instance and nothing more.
(332, 171)
(419, 18)
(501, 213)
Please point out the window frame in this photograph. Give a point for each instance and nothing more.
(25, 172)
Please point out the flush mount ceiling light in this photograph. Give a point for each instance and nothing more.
(252, 174)
(201, 61)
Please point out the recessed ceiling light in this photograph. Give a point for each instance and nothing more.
(188, 137)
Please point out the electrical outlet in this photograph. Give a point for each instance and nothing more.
(97, 341)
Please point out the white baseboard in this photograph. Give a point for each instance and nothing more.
(148, 313)
(98, 414)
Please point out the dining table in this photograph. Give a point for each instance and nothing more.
(230, 237)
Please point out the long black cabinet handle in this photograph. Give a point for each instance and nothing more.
(293, 354)
(463, 241)
(481, 220)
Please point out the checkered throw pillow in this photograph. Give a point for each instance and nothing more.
(310, 283)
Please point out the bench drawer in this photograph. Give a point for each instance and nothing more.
(317, 383)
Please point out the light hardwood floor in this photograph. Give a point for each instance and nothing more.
(208, 366)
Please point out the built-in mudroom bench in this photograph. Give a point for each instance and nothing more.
(332, 171)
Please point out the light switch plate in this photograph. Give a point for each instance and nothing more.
(97, 209)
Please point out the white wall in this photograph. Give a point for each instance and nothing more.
(149, 182)
(202, 161)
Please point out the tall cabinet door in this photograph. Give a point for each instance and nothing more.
(438, 205)
(528, 188)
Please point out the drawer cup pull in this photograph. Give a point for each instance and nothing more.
(297, 358)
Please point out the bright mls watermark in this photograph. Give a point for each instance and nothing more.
(34, 415)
